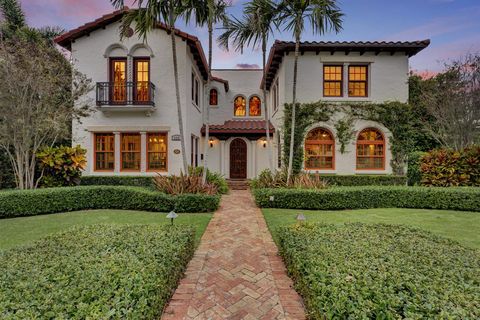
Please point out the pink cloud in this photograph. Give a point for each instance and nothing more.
(247, 66)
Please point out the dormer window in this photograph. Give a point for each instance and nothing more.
(240, 106)
(213, 97)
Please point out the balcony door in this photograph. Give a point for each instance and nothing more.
(141, 71)
(118, 80)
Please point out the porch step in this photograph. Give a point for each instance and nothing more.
(238, 184)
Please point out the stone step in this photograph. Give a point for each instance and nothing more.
(238, 184)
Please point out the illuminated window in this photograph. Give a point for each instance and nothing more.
(104, 151)
(240, 107)
(118, 78)
(142, 78)
(370, 150)
(357, 81)
(130, 151)
(213, 97)
(332, 81)
(319, 150)
(255, 106)
(157, 151)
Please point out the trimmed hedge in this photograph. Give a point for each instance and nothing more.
(359, 271)
(466, 199)
(364, 180)
(17, 203)
(413, 170)
(95, 272)
(133, 181)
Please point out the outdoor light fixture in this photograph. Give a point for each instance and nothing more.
(172, 215)
(264, 141)
(211, 142)
(272, 198)
(301, 217)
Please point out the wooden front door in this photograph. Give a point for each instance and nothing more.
(238, 159)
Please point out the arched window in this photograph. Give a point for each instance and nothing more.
(255, 106)
(319, 150)
(213, 97)
(240, 107)
(370, 150)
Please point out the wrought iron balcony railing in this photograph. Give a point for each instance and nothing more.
(125, 93)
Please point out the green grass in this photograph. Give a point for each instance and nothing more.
(463, 227)
(18, 231)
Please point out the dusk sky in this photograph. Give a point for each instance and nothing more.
(452, 25)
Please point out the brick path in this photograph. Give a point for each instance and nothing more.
(236, 272)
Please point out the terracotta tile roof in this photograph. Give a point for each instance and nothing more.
(279, 48)
(65, 40)
(225, 82)
(239, 126)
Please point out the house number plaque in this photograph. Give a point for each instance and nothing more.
(176, 137)
(176, 151)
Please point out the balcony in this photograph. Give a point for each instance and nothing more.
(126, 96)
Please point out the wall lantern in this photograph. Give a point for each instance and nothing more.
(211, 142)
(264, 142)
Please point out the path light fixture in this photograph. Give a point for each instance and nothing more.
(301, 217)
(172, 215)
(272, 198)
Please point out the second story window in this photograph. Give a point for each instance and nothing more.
(118, 78)
(332, 80)
(357, 81)
(141, 74)
(213, 97)
(195, 89)
(255, 106)
(275, 96)
(240, 107)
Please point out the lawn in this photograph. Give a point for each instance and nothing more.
(18, 231)
(463, 227)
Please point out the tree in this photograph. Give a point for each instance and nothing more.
(324, 16)
(452, 98)
(146, 18)
(207, 12)
(255, 29)
(13, 17)
(36, 102)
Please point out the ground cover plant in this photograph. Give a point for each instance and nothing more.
(96, 272)
(358, 271)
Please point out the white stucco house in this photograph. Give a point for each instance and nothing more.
(134, 130)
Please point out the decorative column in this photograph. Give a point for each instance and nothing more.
(117, 151)
(253, 170)
(222, 157)
(143, 152)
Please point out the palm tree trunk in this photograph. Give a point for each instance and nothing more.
(177, 92)
(207, 115)
(267, 118)
(294, 107)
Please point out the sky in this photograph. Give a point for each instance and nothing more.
(452, 25)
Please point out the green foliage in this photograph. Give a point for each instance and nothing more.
(365, 180)
(413, 173)
(7, 178)
(13, 16)
(16, 203)
(278, 179)
(96, 272)
(345, 133)
(366, 197)
(61, 166)
(133, 181)
(359, 271)
(212, 177)
(446, 168)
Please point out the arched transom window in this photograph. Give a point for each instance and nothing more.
(319, 150)
(213, 97)
(240, 107)
(255, 106)
(371, 149)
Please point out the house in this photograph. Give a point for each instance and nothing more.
(134, 130)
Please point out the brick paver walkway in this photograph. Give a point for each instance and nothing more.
(236, 272)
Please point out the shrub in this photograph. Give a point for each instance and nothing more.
(413, 171)
(278, 179)
(16, 203)
(358, 271)
(339, 198)
(134, 181)
(61, 166)
(445, 168)
(365, 180)
(183, 183)
(212, 177)
(96, 272)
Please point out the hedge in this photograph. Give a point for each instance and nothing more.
(95, 272)
(133, 181)
(359, 271)
(365, 180)
(16, 203)
(413, 170)
(466, 199)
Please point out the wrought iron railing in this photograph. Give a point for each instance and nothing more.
(125, 93)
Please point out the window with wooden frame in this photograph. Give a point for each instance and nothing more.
(194, 151)
(255, 106)
(195, 89)
(130, 151)
(319, 150)
(118, 80)
(157, 151)
(370, 150)
(239, 107)
(213, 97)
(141, 71)
(332, 80)
(357, 81)
(275, 96)
(104, 151)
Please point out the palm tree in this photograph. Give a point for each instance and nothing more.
(324, 16)
(146, 18)
(209, 12)
(258, 24)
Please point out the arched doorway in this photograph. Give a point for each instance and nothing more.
(238, 159)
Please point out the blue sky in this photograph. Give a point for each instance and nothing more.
(452, 25)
